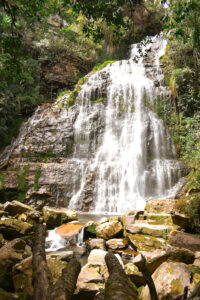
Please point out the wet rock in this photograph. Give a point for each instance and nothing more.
(153, 230)
(109, 230)
(184, 240)
(12, 228)
(117, 244)
(15, 207)
(170, 280)
(54, 217)
(69, 230)
(10, 254)
(160, 206)
(143, 242)
(134, 274)
(96, 244)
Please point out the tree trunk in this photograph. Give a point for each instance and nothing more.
(118, 286)
(42, 279)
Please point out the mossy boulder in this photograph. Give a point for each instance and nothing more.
(134, 274)
(143, 242)
(13, 228)
(170, 280)
(153, 230)
(157, 219)
(109, 230)
(54, 217)
(117, 244)
(96, 244)
(15, 207)
(184, 240)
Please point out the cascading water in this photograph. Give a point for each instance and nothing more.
(134, 157)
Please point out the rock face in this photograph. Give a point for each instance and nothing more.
(170, 280)
(109, 230)
(54, 216)
(160, 206)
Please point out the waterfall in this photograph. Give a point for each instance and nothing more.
(120, 138)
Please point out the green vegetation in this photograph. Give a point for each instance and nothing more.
(98, 100)
(72, 97)
(81, 80)
(22, 183)
(1, 181)
(92, 229)
(36, 179)
(100, 66)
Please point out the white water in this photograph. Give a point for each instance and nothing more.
(134, 156)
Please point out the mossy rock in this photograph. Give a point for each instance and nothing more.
(145, 242)
(13, 228)
(54, 217)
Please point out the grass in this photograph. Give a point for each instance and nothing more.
(100, 66)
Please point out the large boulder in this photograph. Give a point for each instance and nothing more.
(10, 254)
(109, 230)
(184, 240)
(97, 257)
(170, 280)
(160, 206)
(134, 274)
(153, 259)
(181, 220)
(143, 242)
(69, 230)
(15, 207)
(13, 228)
(54, 217)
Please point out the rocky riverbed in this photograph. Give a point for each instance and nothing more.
(159, 233)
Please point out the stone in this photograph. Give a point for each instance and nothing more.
(109, 230)
(10, 254)
(156, 219)
(103, 220)
(97, 257)
(96, 244)
(134, 274)
(54, 217)
(3, 213)
(153, 259)
(22, 274)
(12, 228)
(170, 280)
(181, 220)
(61, 255)
(7, 296)
(69, 230)
(197, 254)
(15, 207)
(143, 242)
(184, 240)
(90, 281)
(153, 230)
(22, 218)
(196, 262)
(34, 215)
(117, 244)
(130, 217)
(180, 255)
(160, 206)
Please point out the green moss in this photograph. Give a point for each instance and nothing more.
(81, 80)
(92, 229)
(71, 99)
(98, 100)
(53, 132)
(100, 66)
(1, 181)
(36, 179)
(66, 92)
(21, 196)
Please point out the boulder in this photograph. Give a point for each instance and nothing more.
(96, 244)
(196, 262)
(134, 274)
(170, 280)
(156, 219)
(117, 244)
(180, 255)
(181, 220)
(13, 228)
(10, 254)
(130, 217)
(3, 213)
(22, 274)
(143, 242)
(160, 206)
(34, 215)
(15, 207)
(61, 255)
(69, 230)
(153, 259)
(184, 240)
(109, 230)
(153, 230)
(54, 217)
(90, 281)
(97, 257)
